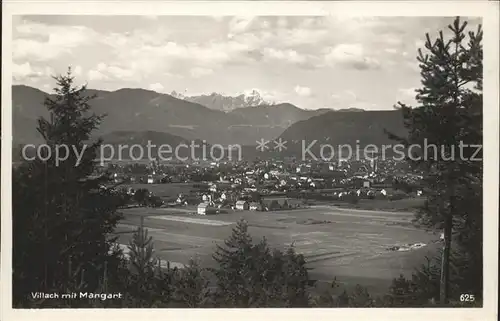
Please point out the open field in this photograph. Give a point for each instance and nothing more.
(164, 190)
(407, 204)
(350, 244)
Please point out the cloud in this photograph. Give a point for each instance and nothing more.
(407, 95)
(343, 98)
(20, 72)
(296, 37)
(199, 72)
(282, 22)
(264, 24)
(239, 24)
(24, 49)
(25, 71)
(352, 95)
(77, 70)
(287, 55)
(391, 39)
(280, 33)
(272, 53)
(96, 75)
(303, 91)
(352, 55)
(156, 87)
(409, 92)
(104, 71)
(116, 71)
(41, 42)
(420, 44)
(167, 57)
(414, 66)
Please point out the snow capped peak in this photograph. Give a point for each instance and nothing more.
(220, 101)
(253, 98)
(177, 95)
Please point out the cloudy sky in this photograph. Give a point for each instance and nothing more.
(312, 62)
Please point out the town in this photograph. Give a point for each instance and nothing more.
(263, 185)
(337, 214)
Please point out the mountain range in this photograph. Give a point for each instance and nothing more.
(221, 102)
(140, 110)
(136, 115)
(345, 128)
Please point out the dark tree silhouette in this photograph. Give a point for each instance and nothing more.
(449, 116)
(61, 216)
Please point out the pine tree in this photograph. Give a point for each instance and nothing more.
(295, 279)
(360, 298)
(60, 213)
(142, 260)
(254, 275)
(450, 114)
(231, 258)
(145, 271)
(191, 286)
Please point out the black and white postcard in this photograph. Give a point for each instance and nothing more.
(209, 159)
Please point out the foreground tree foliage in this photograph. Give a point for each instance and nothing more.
(449, 116)
(61, 216)
(254, 275)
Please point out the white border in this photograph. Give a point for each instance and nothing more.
(488, 10)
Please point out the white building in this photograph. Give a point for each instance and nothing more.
(202, 208)
(206, 209)
(242, 205)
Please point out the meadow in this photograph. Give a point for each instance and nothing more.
(164, 190)
(352, 245)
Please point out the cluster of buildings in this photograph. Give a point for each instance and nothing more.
(273, 184)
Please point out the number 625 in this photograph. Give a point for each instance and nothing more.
(467, 298)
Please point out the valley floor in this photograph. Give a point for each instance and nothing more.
(352, 245)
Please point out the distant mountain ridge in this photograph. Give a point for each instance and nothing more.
(225, 103)
(123, 143)
(349, 109)
(136, 116)
(353, 128)
(139, 110)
